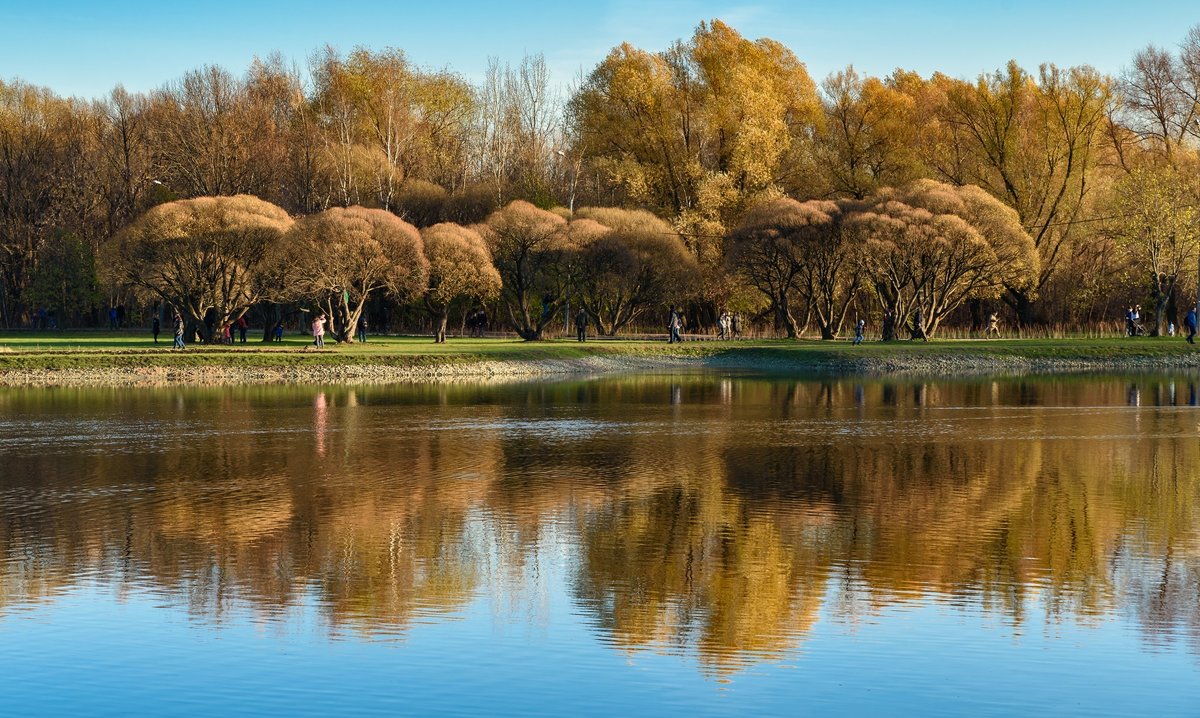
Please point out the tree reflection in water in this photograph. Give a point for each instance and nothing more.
(715, 516)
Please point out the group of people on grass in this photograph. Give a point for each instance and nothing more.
(223, 334)
(1135, 328)
(728, 326)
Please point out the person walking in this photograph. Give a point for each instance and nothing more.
(362, 328)
(723, 322)
(674, 324)
(156, 327)
(581, 323)
(177, 325)
(918, 327)
(993, 326)
(1189, 321)
(318, 331)
(860, 329)
(242, 326)
(278, 331)
(735, 323)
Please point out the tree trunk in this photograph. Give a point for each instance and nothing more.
(1027, 311)
(272, 320)
(978, 315)
(1159, 289)
(192, 329)
(1172, 311)
(888, 330)
(784, 319)
(439, 322)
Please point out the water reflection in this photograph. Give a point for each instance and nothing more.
(718, 517)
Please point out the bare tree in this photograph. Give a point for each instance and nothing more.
(518, 127)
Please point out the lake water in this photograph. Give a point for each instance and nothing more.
(635, 546)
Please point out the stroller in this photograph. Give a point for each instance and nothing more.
(1134, 326)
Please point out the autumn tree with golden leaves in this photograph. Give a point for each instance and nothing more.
(535, 255)
(198, 255)
(340, 258)
(1157, 222)
(633, 265)
(460, 268)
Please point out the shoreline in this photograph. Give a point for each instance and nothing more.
(562, 360)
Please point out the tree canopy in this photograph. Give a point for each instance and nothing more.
(340, 257)
(700, 133)
(460, 268)
(635, 263)
(200, 254)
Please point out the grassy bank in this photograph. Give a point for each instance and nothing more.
(26, 356)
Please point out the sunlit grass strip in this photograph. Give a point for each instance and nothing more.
(97, 350)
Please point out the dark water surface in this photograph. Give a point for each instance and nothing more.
(636, 546)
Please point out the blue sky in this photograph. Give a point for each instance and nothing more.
(85, 48)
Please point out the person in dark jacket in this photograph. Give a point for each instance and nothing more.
(1190, 322)
(674, 324)
(156, 327)
(581, 322)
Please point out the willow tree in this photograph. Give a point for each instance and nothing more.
(460, 268)
(200, 254)
(931, 247)
(1158, 224)
(867, 140)
(699, 131)
(788, 250)
(633, 264)
(341, 257)
(535, 254)
(1034, 142)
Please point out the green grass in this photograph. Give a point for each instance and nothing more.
(98, 349)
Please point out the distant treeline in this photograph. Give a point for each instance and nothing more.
(715, 175)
